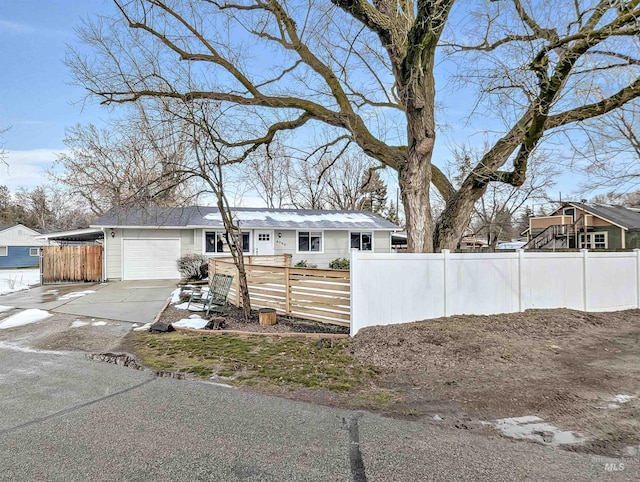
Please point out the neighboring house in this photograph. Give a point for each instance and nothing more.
(511, 244)
(472, 243)
(585, 225)
(19, 247)
(145, 243)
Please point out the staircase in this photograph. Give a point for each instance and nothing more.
(557, 236)
(551, 238)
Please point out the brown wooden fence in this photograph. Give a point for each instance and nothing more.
(64, 264)
(315, 294)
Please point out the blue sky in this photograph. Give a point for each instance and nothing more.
(36, 98)
(38, 101)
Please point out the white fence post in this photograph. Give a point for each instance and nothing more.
(585, 256)
(353, 269)
(637, 253)
(520, 275)
(445, 269)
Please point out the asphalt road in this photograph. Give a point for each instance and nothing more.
(65, 417)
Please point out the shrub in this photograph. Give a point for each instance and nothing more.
(193, 266)
(339, 263)
(304, 264)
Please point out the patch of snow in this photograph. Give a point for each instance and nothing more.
(143, 327)
(193, 321)
(78, 324)
(175, 296)
(531, 427)
(75, 294)
(618, 400)
(294, 217)
(5, 308)
(223, 385)
(193, 307)
(622, 398)
(25, 349)
(98, 323)
(12, 280)
(24, 318)
(631, 451)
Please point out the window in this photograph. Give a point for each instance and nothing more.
(599, 241)
(362, 241)
(4, 251)
(245, 242)
(216, 242)
(570, 212)
(34, 251)
(309, 242)
(264, 237)
(593, 241)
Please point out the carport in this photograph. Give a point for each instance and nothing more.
(72, 256)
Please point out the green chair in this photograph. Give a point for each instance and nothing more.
(215, 296)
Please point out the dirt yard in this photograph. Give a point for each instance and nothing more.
(577, 371)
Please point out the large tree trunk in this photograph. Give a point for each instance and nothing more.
(456, 216)
(414, 177)
(414, 180)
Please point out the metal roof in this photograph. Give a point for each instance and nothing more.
(248, 218)
(88, 234)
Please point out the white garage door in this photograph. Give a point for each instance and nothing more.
(150, 259)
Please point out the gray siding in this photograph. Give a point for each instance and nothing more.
(336, 244)
(113, 248)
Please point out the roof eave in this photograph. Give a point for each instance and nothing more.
(585, 208)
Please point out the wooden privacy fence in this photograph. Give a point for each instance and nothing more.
(61, 264)
(315, 294)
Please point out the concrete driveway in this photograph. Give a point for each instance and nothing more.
(133, 301)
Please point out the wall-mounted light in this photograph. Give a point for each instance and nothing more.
(279, 235)
(113, 233)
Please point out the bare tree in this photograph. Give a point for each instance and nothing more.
(45, 207)
(209, 162)
(365, 71)
(353, 183)
(3, 153)
(495, 212)
(610, 155)
(627, 199)
(130, 163)
(268, 172)
(307, 185)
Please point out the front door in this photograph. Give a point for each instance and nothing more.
(263, 242)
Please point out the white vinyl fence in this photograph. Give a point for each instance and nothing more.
(398, 288)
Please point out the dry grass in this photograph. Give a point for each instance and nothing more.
(253, 360)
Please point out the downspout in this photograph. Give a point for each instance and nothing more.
(104, 255)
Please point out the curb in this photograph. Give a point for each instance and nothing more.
(256, 333)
